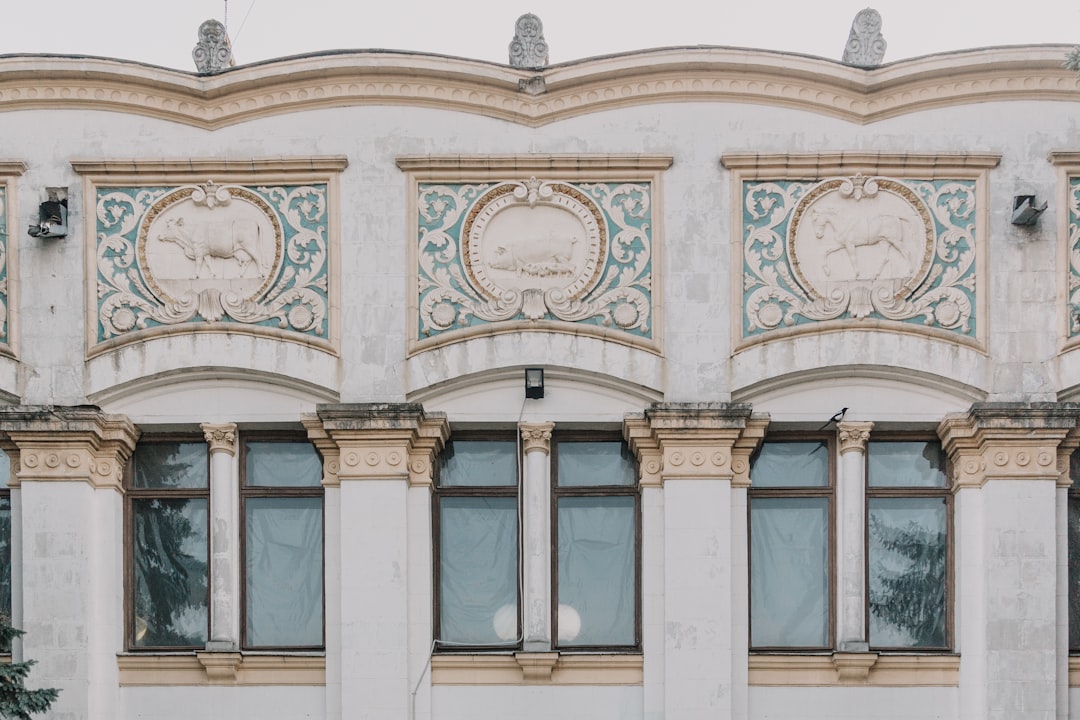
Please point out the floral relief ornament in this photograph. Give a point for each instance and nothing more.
(859, 247)
(535, 250)
(212, 253)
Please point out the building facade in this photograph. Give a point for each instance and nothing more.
(803, 448)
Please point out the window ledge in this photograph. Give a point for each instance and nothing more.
(221, 668)
(532, 668)
(1074, 671)
(845, 668)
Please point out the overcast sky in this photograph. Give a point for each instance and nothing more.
(162, 32)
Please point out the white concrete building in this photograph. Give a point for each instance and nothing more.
(803, 449)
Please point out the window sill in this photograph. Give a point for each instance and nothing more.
(221, 668)
(533, 668)
(869, 669)
(1074, 671)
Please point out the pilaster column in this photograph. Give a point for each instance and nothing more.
(851, 535)
(1061, 525)
(383, 455)
(224, 538)
(1004, 473)
(687, 455)
(70, 465)
(536, 531)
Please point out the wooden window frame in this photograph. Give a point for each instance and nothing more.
(133, 494)
(283, 491)
(631, 490)
(944, 492)
(827, 491)
(440, 492)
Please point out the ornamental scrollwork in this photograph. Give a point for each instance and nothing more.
(856, 248)
(535, 250)
(1074, 256)
(210, 255)
(3, 267)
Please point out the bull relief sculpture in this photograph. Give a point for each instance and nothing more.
(535, 251)
(211, 253)
(859, 248)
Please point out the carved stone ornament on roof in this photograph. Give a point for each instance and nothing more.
(528, 48)
(859, 248)
(213, 52)
(865, 45)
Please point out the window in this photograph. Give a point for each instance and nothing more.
(283, 544)
(907, 521)
(899, 557)
(169, 572)
(596, 508)
(790, 559)
(168, 508)
(593, 544)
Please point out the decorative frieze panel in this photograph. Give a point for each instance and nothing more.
(1073, 200)
(5, 222)
(214, 254)
(535, 249)
(862, 248)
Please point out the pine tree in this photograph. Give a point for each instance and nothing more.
(18, 702)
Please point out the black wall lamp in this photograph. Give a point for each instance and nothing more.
(534, 383)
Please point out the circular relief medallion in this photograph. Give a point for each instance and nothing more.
(872, 233)
(552, 240)
(187, 245)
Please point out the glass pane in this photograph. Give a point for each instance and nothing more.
(594, 463)
(1074, 468)
(596, 571)
(478, 462)
(5, 558)
(5, 469)
(171, 465)
(906, 464)
(907, 564)
(284, 571)
(791, 464)
(789, 572)
(283, 464)
(170, 572)
(1074, 572)
(478, 599)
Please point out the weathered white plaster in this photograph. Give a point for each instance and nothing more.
(223, 703)
(894, 703)
(536, 703)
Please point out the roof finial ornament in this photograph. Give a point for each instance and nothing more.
(213, 52)
(865, 44)
(528, 48)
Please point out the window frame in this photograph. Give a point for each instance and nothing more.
(945, 492)
(1073, 576)
(827, 491)
(247, 492)
(439, 492)
(133, 494)
(633, 489)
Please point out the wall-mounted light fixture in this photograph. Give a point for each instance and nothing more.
(1026, 211)
(52, 216)
(534, 383)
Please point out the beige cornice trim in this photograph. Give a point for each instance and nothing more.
(432, 166)
(201, 166)
(214, 668)
(691, 74)
(1064, 157)
(945, 164)
(855, 669)
(12, 167)
(1074, 671)
(549, 668)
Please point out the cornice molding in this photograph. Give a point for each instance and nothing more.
(199, 167)
(691, 74)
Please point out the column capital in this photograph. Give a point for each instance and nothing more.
(690, 440)
(377, 441)
(58, 443)
(220, 437)
(536, 436)
(1016, 441)
(853, 436)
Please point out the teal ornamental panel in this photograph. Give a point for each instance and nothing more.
(221, 257)
(856, 249)
(1074, 256)
(4, 224)
(535, 254)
